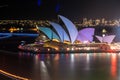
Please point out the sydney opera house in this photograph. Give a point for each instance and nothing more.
(63, 36)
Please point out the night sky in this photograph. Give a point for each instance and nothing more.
(48, 9)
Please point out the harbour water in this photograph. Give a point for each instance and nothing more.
(64, 66)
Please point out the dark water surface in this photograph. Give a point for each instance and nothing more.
(68, 66)
(79, 66)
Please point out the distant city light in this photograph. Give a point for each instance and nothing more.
(103, 35)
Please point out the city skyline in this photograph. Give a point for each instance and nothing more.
(49, 9)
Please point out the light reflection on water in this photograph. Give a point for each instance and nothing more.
(68, 66)
(79, 66)
(113, 65)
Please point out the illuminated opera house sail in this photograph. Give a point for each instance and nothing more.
(86, 34)
(49, 33)
(61, 32)
(71, 28)
(67, 33)
(106, 39)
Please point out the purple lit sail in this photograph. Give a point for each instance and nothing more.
(108, 39)
(99, 38)
(86, 34)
